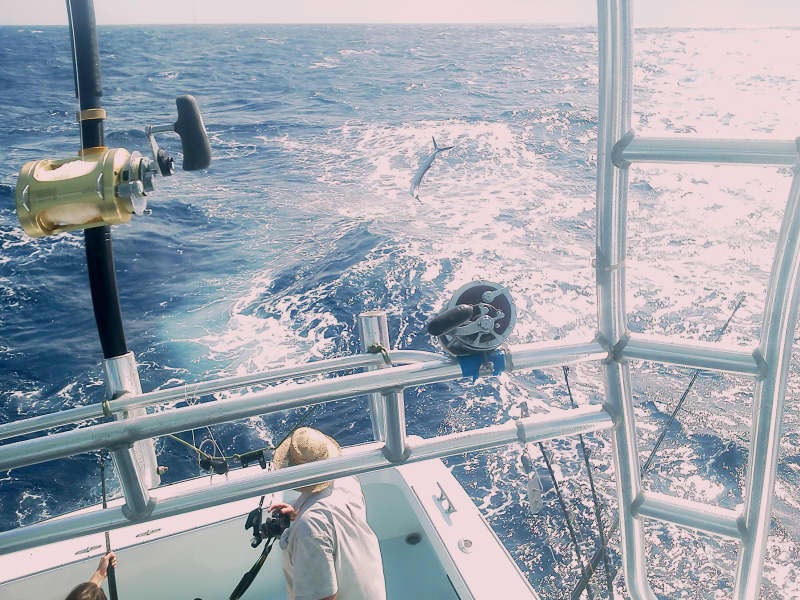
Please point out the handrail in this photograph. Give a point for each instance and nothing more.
(709, 356)
(118, 433)
(697, 355)
(704, 150)
(191, 390)
(355, 460)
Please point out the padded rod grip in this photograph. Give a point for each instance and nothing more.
(194, 139)
(450, 319)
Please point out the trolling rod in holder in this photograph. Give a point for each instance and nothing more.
(101, 186)
(98, 188)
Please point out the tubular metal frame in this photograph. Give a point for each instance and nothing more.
(613, 348)
(618, 147)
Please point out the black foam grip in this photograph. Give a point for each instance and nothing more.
(105, 295)
(112, 582)
(450, 319)
(194, 139)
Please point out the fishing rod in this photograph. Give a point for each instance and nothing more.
(98, 188)
(529, 468)
(99, 253)
(602, 552)
(110, 569)
(101, 186)
(111, 184)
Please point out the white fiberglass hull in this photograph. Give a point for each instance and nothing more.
(203, 554)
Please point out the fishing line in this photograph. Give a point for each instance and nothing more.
(567, 516)
(110, 571)
(595, 500)
(75, 63)
(213, 461)
(524, 412)
(584, 582)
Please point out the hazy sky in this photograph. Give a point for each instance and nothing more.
(647, 12)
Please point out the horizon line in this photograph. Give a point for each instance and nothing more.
(412, 23)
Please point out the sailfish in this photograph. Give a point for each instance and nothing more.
(423, 168)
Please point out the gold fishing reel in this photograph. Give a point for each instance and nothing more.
(105, 186)
(102, 186)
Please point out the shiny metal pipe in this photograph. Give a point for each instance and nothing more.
(355, 460)
(550, 354)
(721, 151)
(109, 435)
(697, 355)
(122, 377)
(131, 401)
(695, 515)
(615, 40)
(780, 320)
(137, 499)
(373, 329)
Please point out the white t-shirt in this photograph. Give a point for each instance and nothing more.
(330, 549)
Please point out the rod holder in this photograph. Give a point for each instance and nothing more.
(387, 409)
(122, 377)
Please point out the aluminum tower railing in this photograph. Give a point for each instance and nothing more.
(383, 384)
(618, 147)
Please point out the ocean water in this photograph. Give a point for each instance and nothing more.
(304, 220)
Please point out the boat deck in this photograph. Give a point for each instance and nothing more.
(432, 549)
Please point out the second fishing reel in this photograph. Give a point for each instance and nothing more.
(479, 318)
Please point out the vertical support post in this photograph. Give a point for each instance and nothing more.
(774, 352)
(122, 377)
(387, 410)
(615, 41)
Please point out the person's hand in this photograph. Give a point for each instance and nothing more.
(286, 509)
(105, 561)
(102, 569)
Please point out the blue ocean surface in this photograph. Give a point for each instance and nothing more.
(304, 220)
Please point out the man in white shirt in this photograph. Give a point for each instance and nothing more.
(329, 551)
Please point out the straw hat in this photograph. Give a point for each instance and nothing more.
(303, 446)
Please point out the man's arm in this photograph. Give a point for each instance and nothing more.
(102, 569)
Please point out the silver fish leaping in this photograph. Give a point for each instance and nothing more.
(423, 168)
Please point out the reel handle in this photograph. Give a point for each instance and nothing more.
(450, 319)
(192, 131)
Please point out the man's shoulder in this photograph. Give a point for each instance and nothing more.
(348, 487)
(316, 519)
